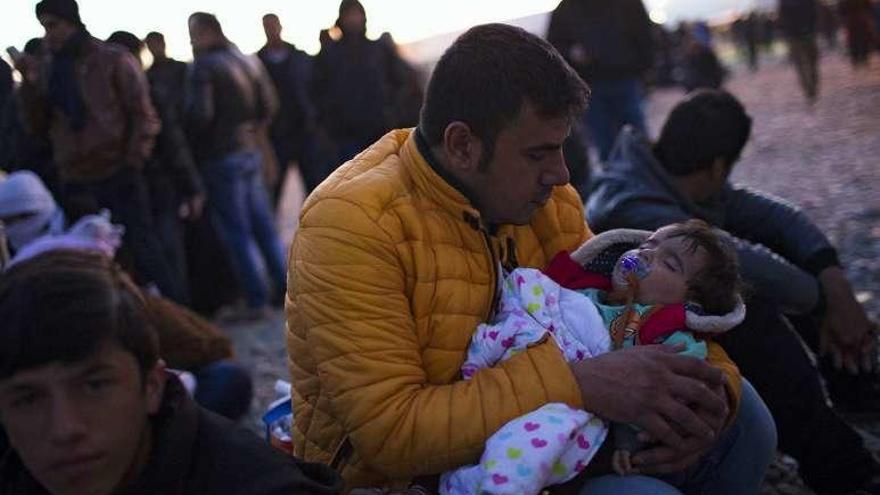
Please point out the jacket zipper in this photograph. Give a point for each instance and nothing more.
(494, 263)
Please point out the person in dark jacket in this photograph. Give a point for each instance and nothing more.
(92, 100)
(798, 22)
(610, 44)
(172, 180)
(230, 102)
(293, 130)
(167, 76)
(790, 264)
(20, 149)
(88, 406)
(355, 82)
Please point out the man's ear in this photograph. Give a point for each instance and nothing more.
(463, 149)
(154, 386)
(719, 170)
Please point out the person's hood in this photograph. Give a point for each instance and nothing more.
(633, 173)
(23, 193)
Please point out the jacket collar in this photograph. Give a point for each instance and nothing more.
(435, 182)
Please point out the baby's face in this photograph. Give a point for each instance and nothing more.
(663, 264)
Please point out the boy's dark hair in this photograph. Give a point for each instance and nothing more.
(708, 124)
(63, 305)
(155, 35)
(206, 21)
(488, 74)
(718, 285)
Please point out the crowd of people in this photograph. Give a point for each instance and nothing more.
(462, 315)
(186, 155)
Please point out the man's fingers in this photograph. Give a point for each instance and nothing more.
(687, 420)
(698, 395)
(660, 429)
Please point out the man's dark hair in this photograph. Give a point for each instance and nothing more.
(718, 286)
(488, 74)
(707, 125)
(128, 41)
(270, 16)
(207, 21)
(156, 36)
(63, 9)
(63, 305)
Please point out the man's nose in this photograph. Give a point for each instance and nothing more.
(557, 173)
(67, 423)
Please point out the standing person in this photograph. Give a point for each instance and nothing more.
(791, 267)
(355, 83)
(89, 407)
(293, 130)
(230, 102)
(399, 257)
(167, 76)
(22, 149)
(212, 282)
(93, 101)
(798, 24)
(172, 180)
(609, 43)
(858, 19)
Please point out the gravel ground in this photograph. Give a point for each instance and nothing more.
(822, 159)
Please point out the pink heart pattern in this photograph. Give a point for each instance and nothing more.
(499, 479)
(539, 443)
(583, 442)
(531, 426)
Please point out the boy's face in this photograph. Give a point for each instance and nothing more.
(78, 427)
(671, 262)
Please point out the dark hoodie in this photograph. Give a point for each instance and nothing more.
(779, 249)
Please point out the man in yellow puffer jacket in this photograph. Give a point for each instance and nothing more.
(397, 260)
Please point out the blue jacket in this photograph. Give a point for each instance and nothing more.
(780, 250)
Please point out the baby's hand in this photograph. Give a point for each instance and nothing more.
(621, 461)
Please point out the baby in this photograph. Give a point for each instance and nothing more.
(681, 279)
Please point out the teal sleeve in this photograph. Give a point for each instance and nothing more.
(692, 347)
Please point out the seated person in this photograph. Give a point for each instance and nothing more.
(35, 224)
(89, 408)
(790, 266)
(399, 256)
(658, 293)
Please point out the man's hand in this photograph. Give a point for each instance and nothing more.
(191, 208)
(29, 68)
(847, 335)
(672, 398)
(665, 459)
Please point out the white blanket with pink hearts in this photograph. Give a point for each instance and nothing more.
(550, 445)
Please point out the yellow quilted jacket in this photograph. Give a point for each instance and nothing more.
(390, 274)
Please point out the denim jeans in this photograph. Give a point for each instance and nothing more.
(735, 466)
(224, 387)
(614, 104)
(239, 205)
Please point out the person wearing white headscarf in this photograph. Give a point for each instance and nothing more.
(27, 209)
